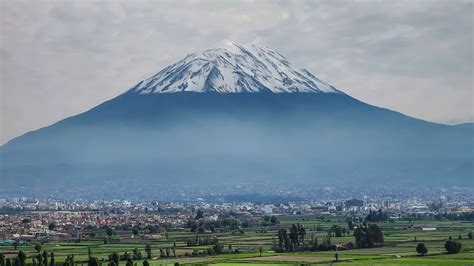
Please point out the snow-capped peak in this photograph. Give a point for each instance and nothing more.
(233, 68)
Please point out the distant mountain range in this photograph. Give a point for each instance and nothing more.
(239, 114)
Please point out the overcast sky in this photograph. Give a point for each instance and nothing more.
(60, 58)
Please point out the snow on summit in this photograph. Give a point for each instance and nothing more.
(233, 69)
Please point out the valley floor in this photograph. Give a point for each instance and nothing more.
(399, 247)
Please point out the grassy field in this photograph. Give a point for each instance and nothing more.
(399, 247)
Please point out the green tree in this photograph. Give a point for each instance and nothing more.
(70, 260)
(421, 249)
(368, 235)
(38, 248)
(469, 235)
(274, 220)
(45, 258)
(350, 224)
(452, 246)
(145, 263)
(217, 248)
(93, 261)
(294, 235)
(148, 251)
(199, 215)
(337, 230)
(2, 259)
(379, 216)
(8, 262)
(376, 235)
(125, 256)
(135, 231)
(21, 258)
(114, 257)
(39, 259)
(51, 226)
(301, 234)
(314, 243)
(284, 242)
(51, 261)
(245, 224)
(136, 254)
(109, 232)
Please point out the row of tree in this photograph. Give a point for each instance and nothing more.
(377, 216)
(200, 241)
(226, 223)
(288, 241)
(270, 220)
(368, 235)
(451, 246)
(17, 261)
(338, 231)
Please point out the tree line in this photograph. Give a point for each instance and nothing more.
(366, 235)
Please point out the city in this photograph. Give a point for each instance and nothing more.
(77, 226)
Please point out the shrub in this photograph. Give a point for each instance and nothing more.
(421, 249)
(452, 246)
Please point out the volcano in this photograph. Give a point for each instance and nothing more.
(234, 115)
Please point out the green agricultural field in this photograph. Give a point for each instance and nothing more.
(398, 249)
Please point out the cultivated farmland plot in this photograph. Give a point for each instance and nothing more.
(399, 247)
